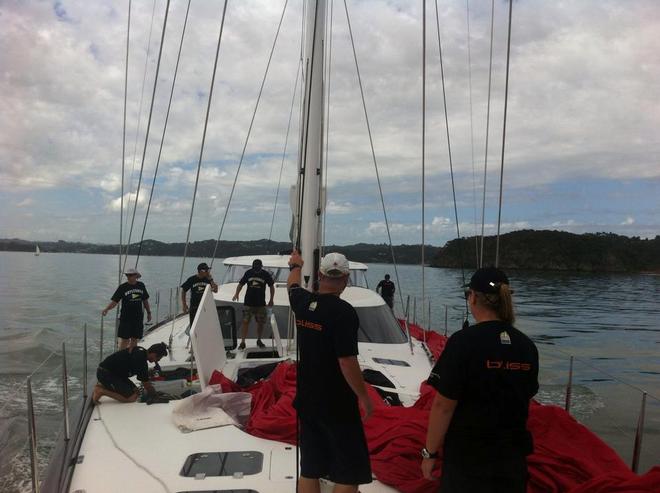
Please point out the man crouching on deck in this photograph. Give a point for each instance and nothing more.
(330, 383)
(115, 371)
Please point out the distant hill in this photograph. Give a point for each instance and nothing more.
(362, 252)
(526, 249)
(557, 250)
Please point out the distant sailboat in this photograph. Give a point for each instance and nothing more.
(37, 251)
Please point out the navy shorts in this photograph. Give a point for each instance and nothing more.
(121, 385)
(499, 476)
(130, 329)
(334, 450)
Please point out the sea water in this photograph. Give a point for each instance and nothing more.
(608, 322)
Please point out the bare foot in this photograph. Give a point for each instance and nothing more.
(96, 395)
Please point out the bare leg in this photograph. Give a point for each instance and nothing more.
(100, 391)
(345, 488)
(308, 485)
(260, 330)
(123, 343)
(132, 343)
(244, 330)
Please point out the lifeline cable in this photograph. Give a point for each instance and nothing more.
(144, 81)
(506, 101)
(249, 132)
(373, 152)
(490, 76)
(162, 140)
(201, 151)
(146, 137)
(451, 166)
(286, 142)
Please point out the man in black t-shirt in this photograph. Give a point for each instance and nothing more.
(254, 304)
(196, 285)
(485, 378)
(133, 296)
(330, 384)
(114, 372)
(386, 289)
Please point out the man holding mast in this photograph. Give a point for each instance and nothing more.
(196, 285)
(330, 388)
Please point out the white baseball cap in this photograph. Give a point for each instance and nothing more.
(334, 265)
(133, 272)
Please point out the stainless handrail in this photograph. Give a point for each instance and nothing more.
(639, 433)
(65, 395)
(85, 361)
(569, 387)
(446, 319)
(157, 305)
(32, 432)
(101, 343)
(415, 310)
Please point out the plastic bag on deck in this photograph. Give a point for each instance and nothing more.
(211, 408)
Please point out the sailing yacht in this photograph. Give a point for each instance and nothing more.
(137, 447)
(37, 251)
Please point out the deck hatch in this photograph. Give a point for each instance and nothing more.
(245, 462)
(388, 361)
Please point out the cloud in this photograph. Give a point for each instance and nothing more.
(25, 202)
(582, 110)
(628, 222)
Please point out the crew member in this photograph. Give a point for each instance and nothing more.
(133, 296)
(330, 383)
(485, 378)
(254, 304)
(196, 284)
(386, 289)
(114, 372)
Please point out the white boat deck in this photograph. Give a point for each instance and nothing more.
(137, 447)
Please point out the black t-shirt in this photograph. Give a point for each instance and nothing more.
(127, 363)
(256, 280)
(196, 285)
(491, 369)
(327, 330)
(131, 297)
(386, 288)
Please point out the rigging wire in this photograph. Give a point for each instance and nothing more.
(249, 132)
(423, 146)
(286, 143)
(146, 137)
(451, 165)
(324, 169)
(373, 152)
(162, 140)
(474, 179)
(506, 101)
(123, 148)
(137, 129)
(201, 151)
(490, 77)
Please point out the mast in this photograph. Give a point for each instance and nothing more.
(312, 141)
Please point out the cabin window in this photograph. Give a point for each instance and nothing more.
(244, 463)
(394, 362)
(227, 317)
(377, 324)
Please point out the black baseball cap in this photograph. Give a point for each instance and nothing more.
(257, 263)
(488, 280)
(203, 266)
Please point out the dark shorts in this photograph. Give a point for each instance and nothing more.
(389, 300)
(488, 477)
(191, 314)
(130, 329)
(259, 313)
(121, 385)
(337, 451)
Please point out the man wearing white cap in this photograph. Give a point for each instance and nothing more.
(330, 387)
(133, 296)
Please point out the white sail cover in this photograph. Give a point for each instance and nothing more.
(207, 341)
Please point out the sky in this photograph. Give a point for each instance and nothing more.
(582, 148)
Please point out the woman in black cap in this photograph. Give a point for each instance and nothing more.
(485, 378)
